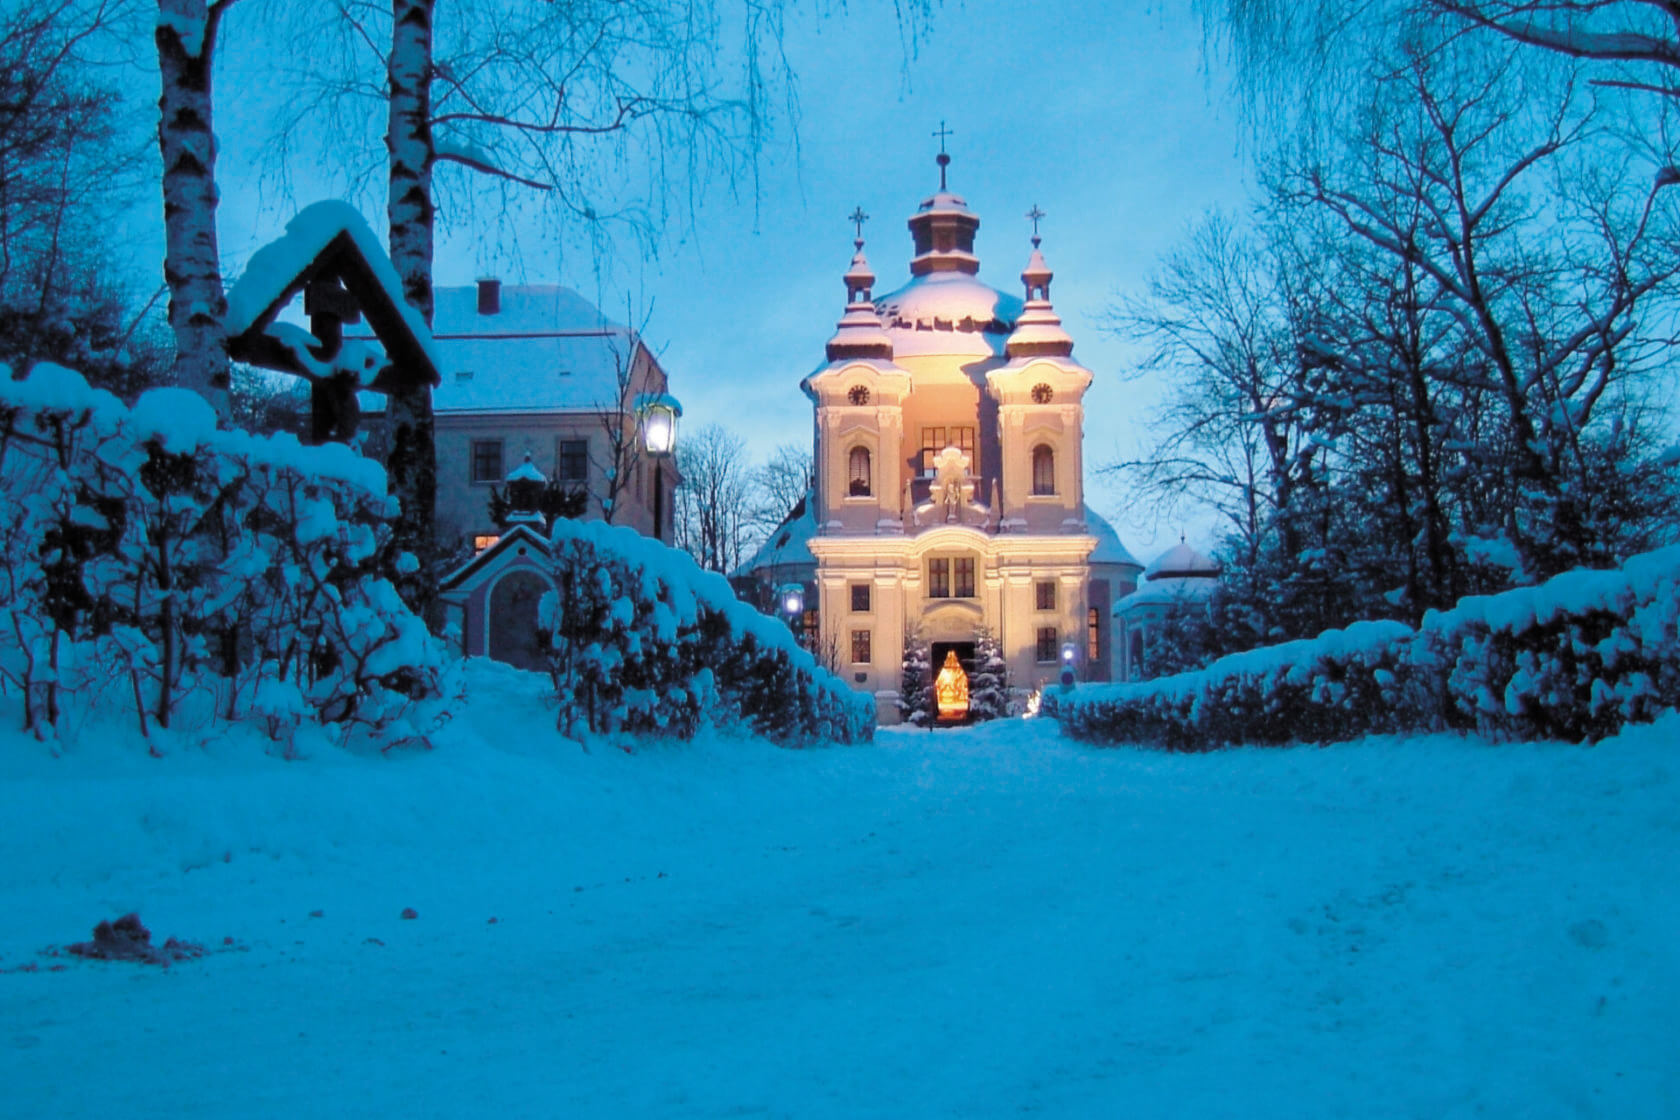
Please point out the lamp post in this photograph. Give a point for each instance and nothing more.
(656, 419)
(656, 423)
(1069, 651)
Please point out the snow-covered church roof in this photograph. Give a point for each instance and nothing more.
(788, 547)
(1109, 550)
(948, 313)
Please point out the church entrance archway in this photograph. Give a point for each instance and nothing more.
(513, 620)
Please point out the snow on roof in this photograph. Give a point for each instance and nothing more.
(948, 313)
(526, 472)
(273, 270)
(1109, 550)
(547, 349)
(1181, 561)
(1166, 591)
(788, 545)
(943, 201)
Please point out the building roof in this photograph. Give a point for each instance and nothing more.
(789, 544)
(948, 313)
(1109, 550)
(1181, 561)
(1167, 591)
(546, 349)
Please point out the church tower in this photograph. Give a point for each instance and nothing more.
(948, 500)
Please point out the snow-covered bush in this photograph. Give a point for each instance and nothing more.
(1574, 658)
(641, 639)
(189, 567)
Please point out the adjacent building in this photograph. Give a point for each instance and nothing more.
(538, 372)
(536, 384)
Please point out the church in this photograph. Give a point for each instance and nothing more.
(948, 499)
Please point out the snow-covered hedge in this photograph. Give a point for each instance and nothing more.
(156, 561)
(639, 638)
(1574, 658)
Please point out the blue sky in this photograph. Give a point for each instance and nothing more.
(1103, 115)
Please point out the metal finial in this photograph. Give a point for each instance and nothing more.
(943, 158)
(857, 217)
(1036, 215)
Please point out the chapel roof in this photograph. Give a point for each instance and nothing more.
(1181, 562)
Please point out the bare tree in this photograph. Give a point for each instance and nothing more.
(1220, 319)
(1637, 41)
(781, 484)
(712, 504)
(604, 109)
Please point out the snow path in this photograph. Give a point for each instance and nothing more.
(984, 922)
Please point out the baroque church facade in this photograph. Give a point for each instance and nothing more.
(949, 496)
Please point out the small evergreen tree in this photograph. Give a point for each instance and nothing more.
(915, 684)
(988, 688)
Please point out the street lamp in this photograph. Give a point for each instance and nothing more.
(792, 598)
(656, 417)
(1067, 674)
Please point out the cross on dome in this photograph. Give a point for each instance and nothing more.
(1035, 215)
(943, 158)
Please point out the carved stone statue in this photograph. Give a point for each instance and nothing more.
(953, 488)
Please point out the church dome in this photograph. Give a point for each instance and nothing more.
(948, 313)
(1181, 562)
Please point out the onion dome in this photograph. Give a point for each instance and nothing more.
(1038, 330)
(859, 333)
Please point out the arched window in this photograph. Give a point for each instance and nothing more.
(857, 473)
(1044, 470)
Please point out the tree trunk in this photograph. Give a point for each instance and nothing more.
(411, 461)
(185, 38)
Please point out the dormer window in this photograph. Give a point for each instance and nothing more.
(1043, 394)
(857, 473)
(858, 394)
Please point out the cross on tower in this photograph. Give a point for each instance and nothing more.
(857, 217)
(943, 159)
(1036, 215)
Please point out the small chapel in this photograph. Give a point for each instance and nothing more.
(948, 499)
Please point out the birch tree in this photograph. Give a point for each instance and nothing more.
(186, 36)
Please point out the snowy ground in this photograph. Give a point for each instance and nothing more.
(984, 922)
